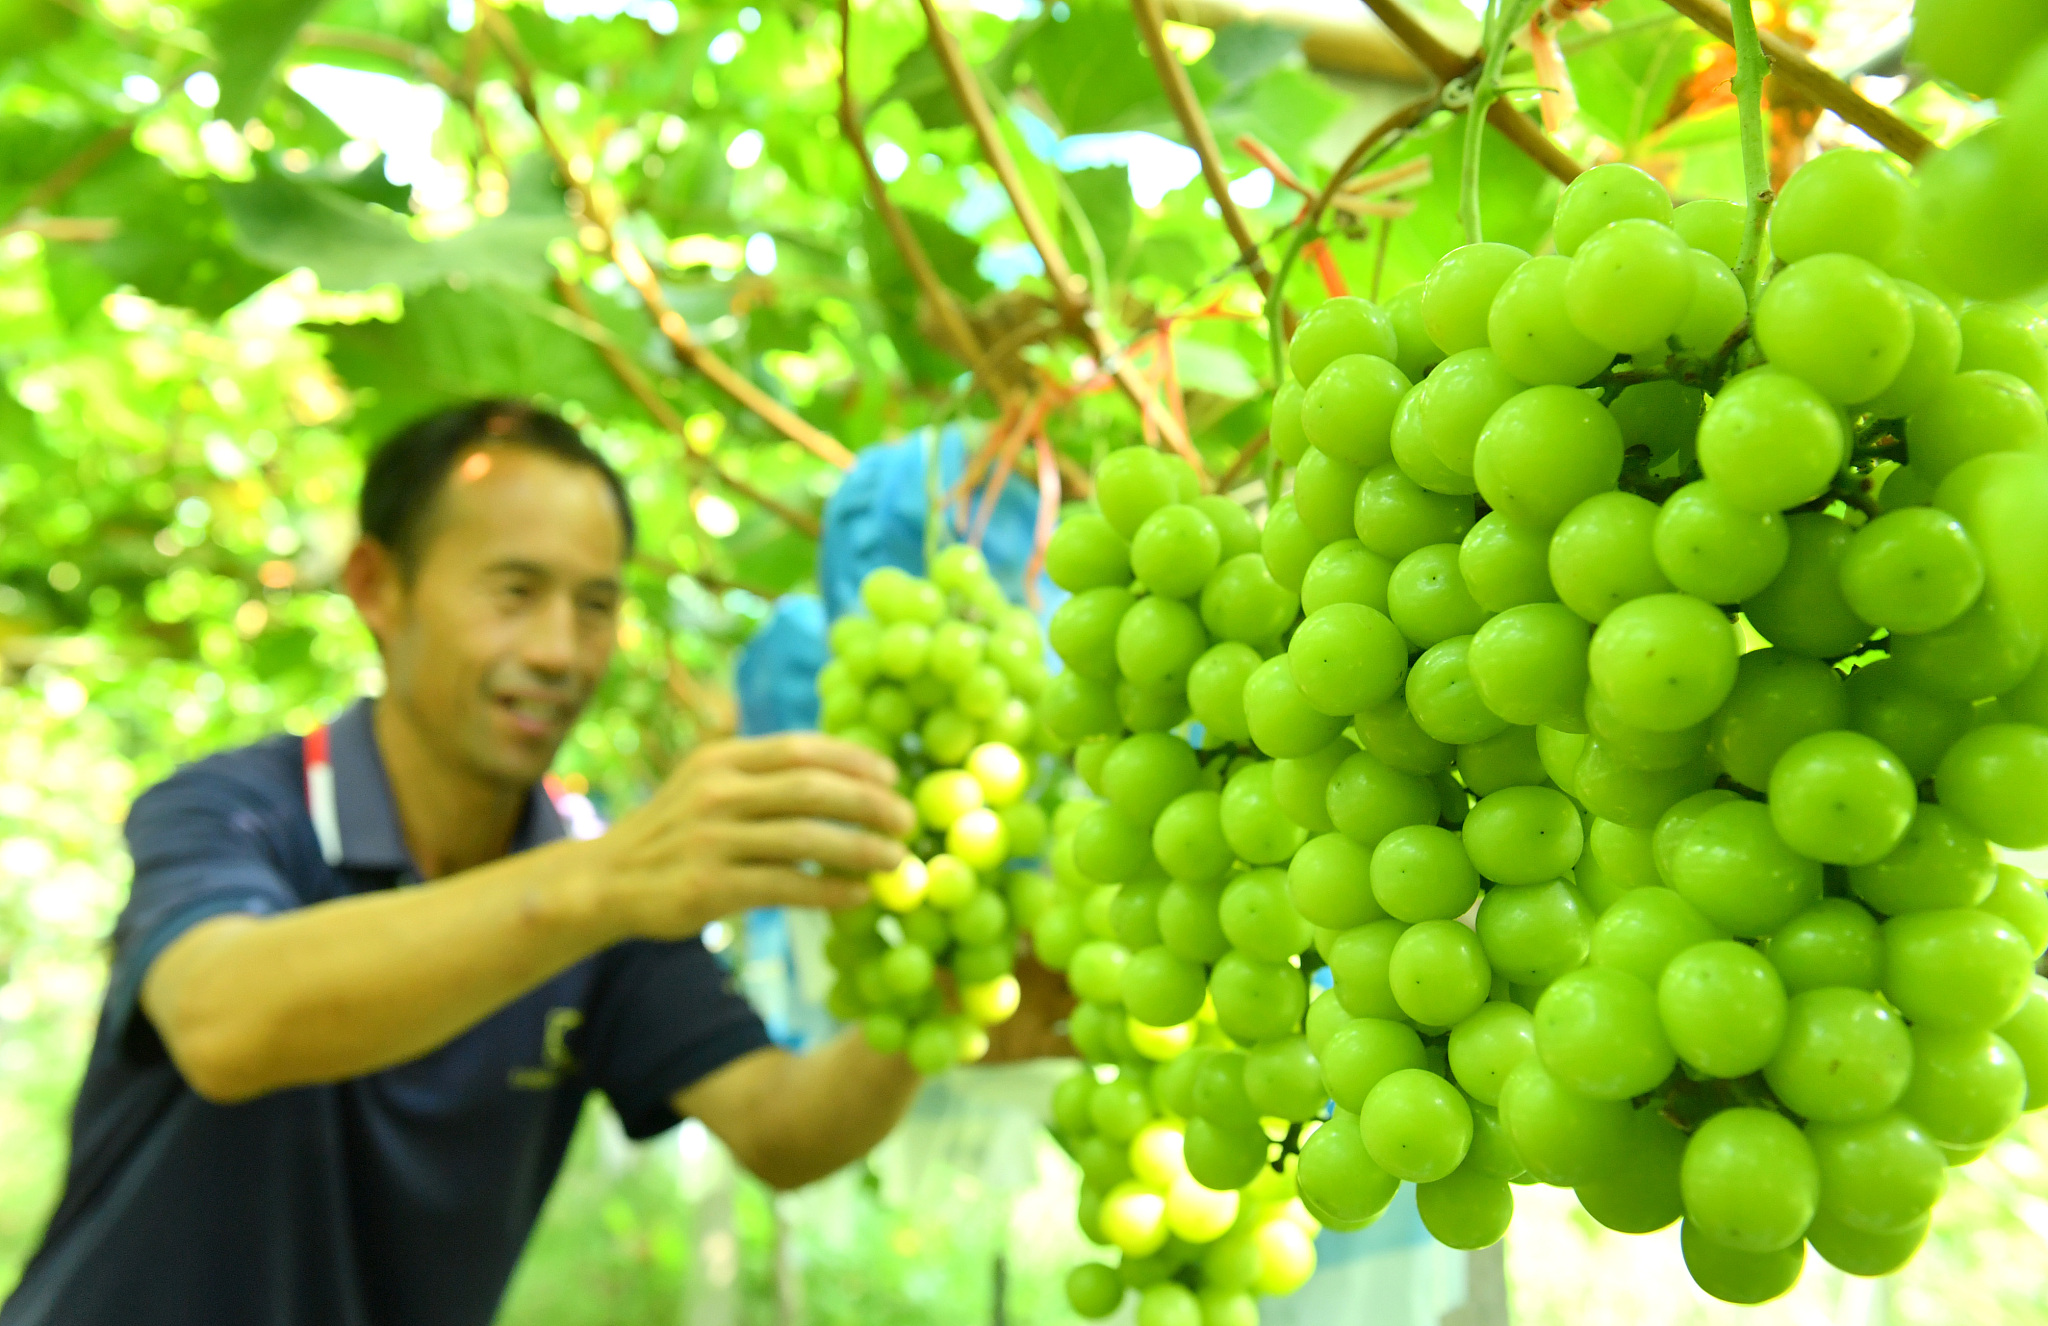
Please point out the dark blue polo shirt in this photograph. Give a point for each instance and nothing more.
(398, 1199)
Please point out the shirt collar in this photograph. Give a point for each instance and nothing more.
(370, 835)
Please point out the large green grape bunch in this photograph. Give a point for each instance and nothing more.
(940, 676)
(1668, 675)
(1984, 209)
(1170, 917)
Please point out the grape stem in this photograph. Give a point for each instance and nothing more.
(1504, 18)
(1750, 67)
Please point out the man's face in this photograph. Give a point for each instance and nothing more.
(512, 613)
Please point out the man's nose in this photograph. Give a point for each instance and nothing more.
(549, 645)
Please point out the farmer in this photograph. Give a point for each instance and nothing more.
(364, 979)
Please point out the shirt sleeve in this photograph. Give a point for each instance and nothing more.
(664, 1015)
(201, 850)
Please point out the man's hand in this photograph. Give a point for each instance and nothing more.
(1032, 1032)
(795, 820)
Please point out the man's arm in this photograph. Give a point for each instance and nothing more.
(249, 1005)
(791, 1119)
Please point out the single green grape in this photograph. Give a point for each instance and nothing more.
(1442, 696)
(1718, 309)
(1603, 195)
(1936, 355)
(1339, 1176)
(1803, 610)
(1466, 1209)
(1158, 640)
(1976, 44)
(1286, 545)
(1529, 662)
(1663, 661)
(1967, 1087)
(1529, 330)
(1713, 549)
(1957, 969)
(1345, 572)
(1749, 1180)
(1162, 989)
(1132, 482)
(1488, 1045)
(2010, 337)
(1987, 651)
(1416, 1126)
(1544, 452)
(1645, 930)
(1598, 1032)
(1175, 550)
(1630, 284)
(1838, 323)
(1368, 799)
(1085, 553)
(1841, 798)
(1392, 735)
(1325, 490)
(1835, 942)
(1724, 1008)
(1427, 598)
(1345, 325)
(1878, 1175)
(2017, 899)
(1740, 874)
(1563, 1137)
(1845, 1058)
(1146, 771)
(1778, 698)
(1417, 354)
(1216, 689)
(1713, 226)
(1256, 1000)
(1393, 515)
(1459, 292)
(1842, 202)
(1358, 960)
(1911, 571)
(1535, 933)
(1420, 873)
(1258, 917)
(1329, 882)
(1601, 554)
(1974, 414)
(1187, 921)
(1524, 835)
(1940, 862)
(1614, 789)
(1244, 601)
(1859, 1252)
(1302, 785)
(1770, 441)
(1976, 219)
(1438, 973)
(1505, 564)
(1349, 412)
(1344, 658)
(1642, 1196)
(1734, 1276)
(1253, 823)
(1509, 759)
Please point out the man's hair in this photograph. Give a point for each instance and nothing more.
(409, 470)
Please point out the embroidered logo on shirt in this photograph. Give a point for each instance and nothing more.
(557, 1062)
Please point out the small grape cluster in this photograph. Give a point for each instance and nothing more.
(1666, 675)
(1984, 201)
(940, 677)
(1185, 1141)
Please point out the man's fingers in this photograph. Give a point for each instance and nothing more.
(835, 847)
(793, 750)
(817, 794)
(782, 886)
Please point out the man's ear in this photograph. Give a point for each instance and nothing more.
(373, 579)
